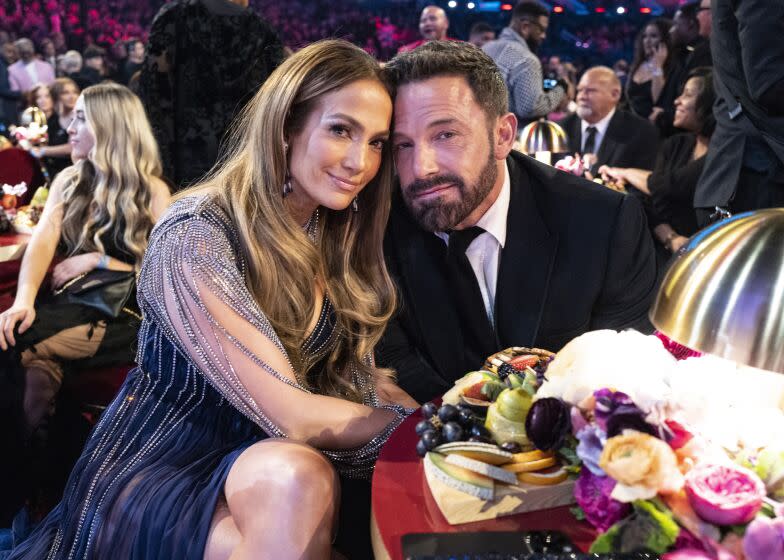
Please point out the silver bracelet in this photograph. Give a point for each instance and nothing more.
(103, 262)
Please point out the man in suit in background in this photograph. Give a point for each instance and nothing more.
(744, 169)
(616, 138)
(28, 70)
(488, 247)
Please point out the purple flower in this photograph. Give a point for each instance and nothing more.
(764, 539)
(578, 421)
(615, 412)
(592, 439)
(592, 494)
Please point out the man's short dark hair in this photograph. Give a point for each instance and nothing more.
(689, 11)
(530, 11)
(480, 27)
(458, 59)
(93, 51)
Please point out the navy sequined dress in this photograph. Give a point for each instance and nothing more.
(148, 480)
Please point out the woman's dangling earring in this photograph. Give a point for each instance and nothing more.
(355, 205)
(287, 190)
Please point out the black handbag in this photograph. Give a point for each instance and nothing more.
(105, 290)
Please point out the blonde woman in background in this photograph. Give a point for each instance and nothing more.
(264, 293)
(56, 155)
(99, 214)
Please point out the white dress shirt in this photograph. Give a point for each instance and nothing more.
(484, 252)
(601, 130)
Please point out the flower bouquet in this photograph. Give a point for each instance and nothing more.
(681, 458)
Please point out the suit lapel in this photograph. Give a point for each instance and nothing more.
(421, 254)
(527, 258)
(609, 144)
(575, 134)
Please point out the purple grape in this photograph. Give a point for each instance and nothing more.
(452, 432)
(431, 439)
(465, 417)
(429, 410)
(478, 430)
(421, 449)
(447, 413)
(423, 426)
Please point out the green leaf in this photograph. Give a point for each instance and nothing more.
(648, 529)
(604, 543)
(578, 513)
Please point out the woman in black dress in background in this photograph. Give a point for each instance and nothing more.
(673, 180)
(646, 90)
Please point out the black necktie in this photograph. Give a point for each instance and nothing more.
(478, 334)
(590, 140)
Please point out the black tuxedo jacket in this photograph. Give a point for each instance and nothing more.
(578, 257)
(630, 141)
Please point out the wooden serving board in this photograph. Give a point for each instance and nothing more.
(459, 507)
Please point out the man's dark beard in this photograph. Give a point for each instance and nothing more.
(533, 45)
(442, 216)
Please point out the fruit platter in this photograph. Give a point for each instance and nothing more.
(661, 450)
(479, 460)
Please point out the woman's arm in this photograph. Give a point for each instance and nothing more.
(37, 258)
(658, 79)
(668, 237)
(194, 287)
(61, 150)
(41, 248)
(161, 198)
(637, 178)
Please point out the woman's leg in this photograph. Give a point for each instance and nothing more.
(43, 373)
(281, 502)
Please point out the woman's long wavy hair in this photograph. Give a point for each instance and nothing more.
(281, 260)
(107, 196)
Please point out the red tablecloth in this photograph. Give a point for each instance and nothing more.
(402, 502)
(17, 165)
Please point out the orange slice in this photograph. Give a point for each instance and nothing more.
(528, 456)
(547, 477)
(530, 466)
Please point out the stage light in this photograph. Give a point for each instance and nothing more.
(558, 9)
(600, 10)
(621, 10)
(470, 5)
(506, 7)
(452, 4)
(645, 10)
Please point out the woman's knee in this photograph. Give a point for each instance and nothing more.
(276, 470)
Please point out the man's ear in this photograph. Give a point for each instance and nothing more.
(505, 135)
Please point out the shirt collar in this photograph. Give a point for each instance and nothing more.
(493, 221)
(601, 126)
(512, 35)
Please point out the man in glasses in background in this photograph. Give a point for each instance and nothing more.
(514, 52)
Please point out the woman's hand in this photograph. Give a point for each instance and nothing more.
(660, 56)
(9, 318)
(676, 243)
(655, 114)
(389, 393)
(72, 267)
(614, 174)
